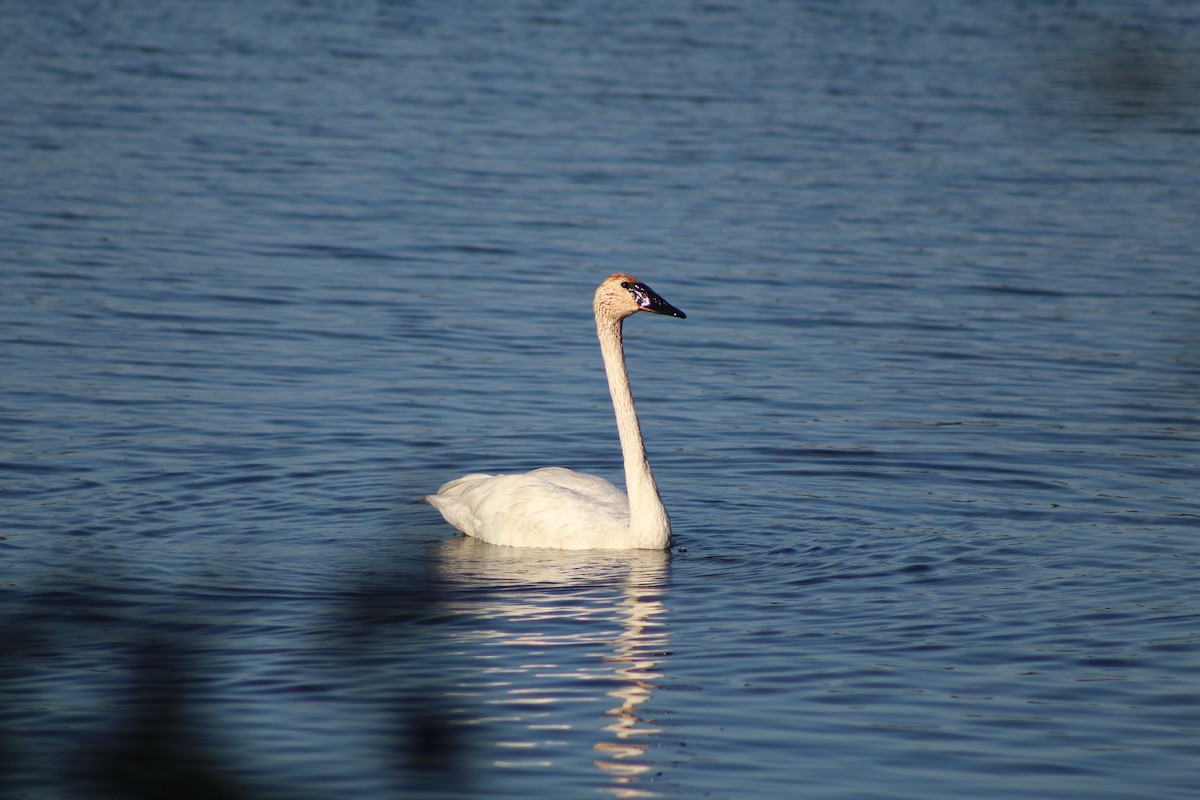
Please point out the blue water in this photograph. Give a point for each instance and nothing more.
(929, 436)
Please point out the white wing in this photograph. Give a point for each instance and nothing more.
(591, 485)
(550, 507)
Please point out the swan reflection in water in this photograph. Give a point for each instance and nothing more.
(549, 630)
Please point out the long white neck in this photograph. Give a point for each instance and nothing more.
(648, 522)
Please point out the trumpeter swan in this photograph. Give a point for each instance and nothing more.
(559, 508)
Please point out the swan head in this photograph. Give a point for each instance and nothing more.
(622, 295)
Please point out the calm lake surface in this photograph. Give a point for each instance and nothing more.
(929, 437)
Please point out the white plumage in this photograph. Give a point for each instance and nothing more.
(556, 507)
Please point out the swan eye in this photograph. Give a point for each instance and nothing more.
(639, 294)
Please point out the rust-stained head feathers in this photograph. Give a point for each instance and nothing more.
(621, 295)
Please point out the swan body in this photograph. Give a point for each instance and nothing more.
(562, 509)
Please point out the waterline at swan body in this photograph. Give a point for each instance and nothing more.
(556, 507)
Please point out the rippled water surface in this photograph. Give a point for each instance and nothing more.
(928, 436)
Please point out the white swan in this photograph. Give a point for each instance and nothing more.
(555, 507)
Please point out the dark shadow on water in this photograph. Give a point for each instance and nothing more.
(108, 693)
(111, 687)
(371, 611)
(155, 751)
(1127, 70)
